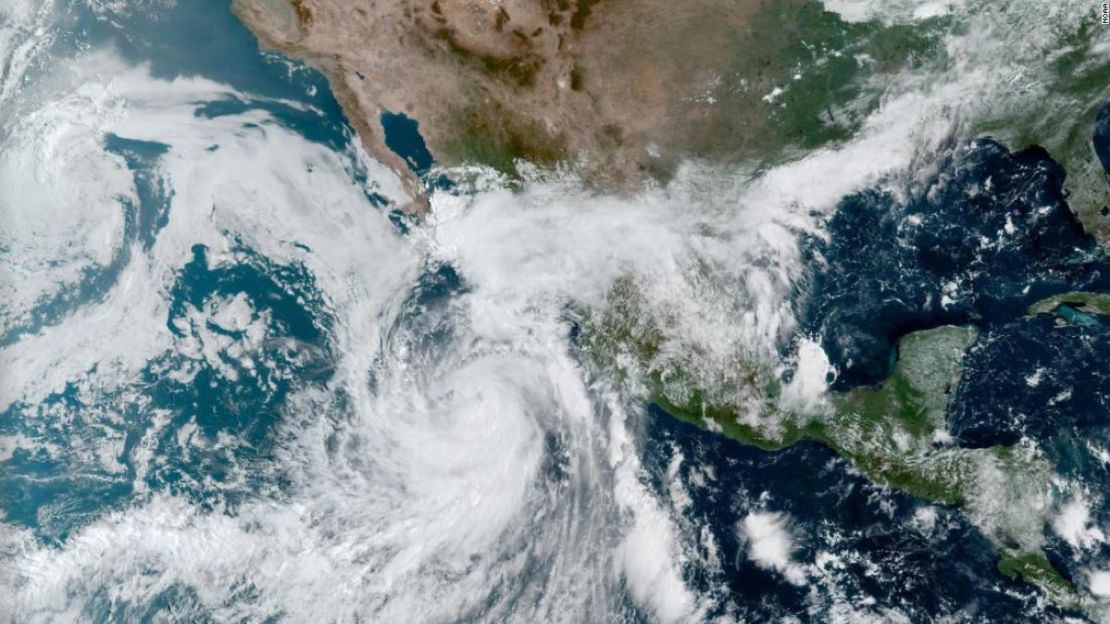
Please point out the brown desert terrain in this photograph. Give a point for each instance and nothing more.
(620, 90)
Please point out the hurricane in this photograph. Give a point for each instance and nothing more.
(239, 384)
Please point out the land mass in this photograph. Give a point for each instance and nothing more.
(620, 91)
(895, 433)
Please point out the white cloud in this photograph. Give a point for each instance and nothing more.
(807, 389)
(1098, 581)
(1073, 524)
(770, 544)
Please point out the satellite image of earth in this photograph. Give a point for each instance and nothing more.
(611, 311)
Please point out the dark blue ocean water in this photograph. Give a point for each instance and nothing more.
(887, 561)
(402, 136)
(884, 277)
(53, 494)
(985, 236)
(996, 225)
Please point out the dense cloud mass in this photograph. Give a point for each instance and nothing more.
(237, 383)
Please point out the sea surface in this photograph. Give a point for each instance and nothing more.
(239, 386)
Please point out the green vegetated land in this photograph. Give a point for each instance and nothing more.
(1086, 302)
(798, 77)
(493, 136)
(1062, 119)
(894, 434)
(810, 78)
